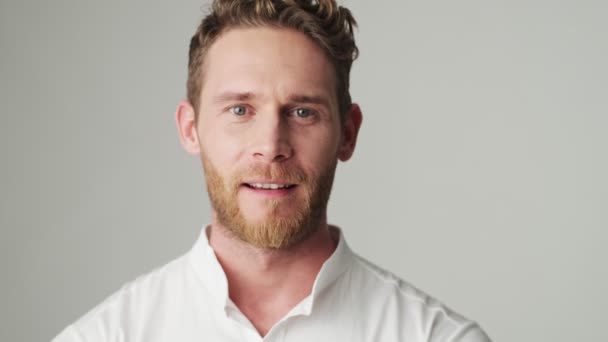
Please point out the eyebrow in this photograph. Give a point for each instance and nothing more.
(233, 96)
(248, 96)
(313, 99)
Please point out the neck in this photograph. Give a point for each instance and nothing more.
(266, 284)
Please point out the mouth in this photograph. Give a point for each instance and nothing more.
(269, 186)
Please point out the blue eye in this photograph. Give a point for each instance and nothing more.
(238, 110)
(303, 112)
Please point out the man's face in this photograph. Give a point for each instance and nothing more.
(269, 133)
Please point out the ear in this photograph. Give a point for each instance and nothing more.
(186, 127)
(352, 123)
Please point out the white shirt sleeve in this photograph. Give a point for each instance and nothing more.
(471, 332)
(69, 334)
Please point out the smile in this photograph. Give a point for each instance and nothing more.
(269, 186)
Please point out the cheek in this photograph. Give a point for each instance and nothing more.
(317, 151)
(220, 147)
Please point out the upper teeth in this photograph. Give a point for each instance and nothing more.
(269, 186)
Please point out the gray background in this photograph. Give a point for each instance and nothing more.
(480, 174)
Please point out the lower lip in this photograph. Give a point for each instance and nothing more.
(278, 193)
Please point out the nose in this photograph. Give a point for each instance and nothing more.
(270, 139)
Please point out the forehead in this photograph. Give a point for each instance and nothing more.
(267, 59)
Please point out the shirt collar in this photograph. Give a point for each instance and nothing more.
(208, 269)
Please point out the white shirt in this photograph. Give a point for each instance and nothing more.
(351, 300)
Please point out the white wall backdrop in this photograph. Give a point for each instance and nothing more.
(480, 175)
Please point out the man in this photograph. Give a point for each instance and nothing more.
(269, 113)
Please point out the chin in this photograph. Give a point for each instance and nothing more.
(265, 214)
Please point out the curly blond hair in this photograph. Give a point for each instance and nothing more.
(330, 26)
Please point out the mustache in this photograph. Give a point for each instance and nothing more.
(274, 172)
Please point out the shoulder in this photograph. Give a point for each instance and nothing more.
(135, 302)
(140, 293)
(406, 306)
